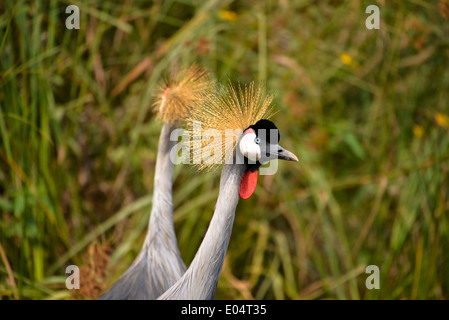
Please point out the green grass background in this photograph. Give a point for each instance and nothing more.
(365, 110)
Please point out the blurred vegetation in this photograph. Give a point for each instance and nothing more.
(366, 111)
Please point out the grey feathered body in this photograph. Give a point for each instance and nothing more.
(159, 264)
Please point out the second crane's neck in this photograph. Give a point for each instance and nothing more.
(161, 219)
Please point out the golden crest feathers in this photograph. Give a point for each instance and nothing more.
(180, 92)
(216, 123)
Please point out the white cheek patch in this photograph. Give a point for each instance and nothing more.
(248, 147)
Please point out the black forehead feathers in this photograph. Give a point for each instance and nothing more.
(266, 126)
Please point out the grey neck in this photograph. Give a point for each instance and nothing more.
(161, 219)
(201, 278)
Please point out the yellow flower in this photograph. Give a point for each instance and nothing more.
(418, 131)
(442, 119)
(346, 58)
(231, 16)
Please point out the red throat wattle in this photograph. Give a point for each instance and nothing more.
(248, 184)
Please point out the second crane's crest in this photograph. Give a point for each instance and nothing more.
(216, 122)
(180, 92)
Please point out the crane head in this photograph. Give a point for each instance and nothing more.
(239, 113)
(260, 144)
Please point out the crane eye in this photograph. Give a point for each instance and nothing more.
(257, 140)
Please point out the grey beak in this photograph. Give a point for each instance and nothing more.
(284, 154)
(275, 151)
